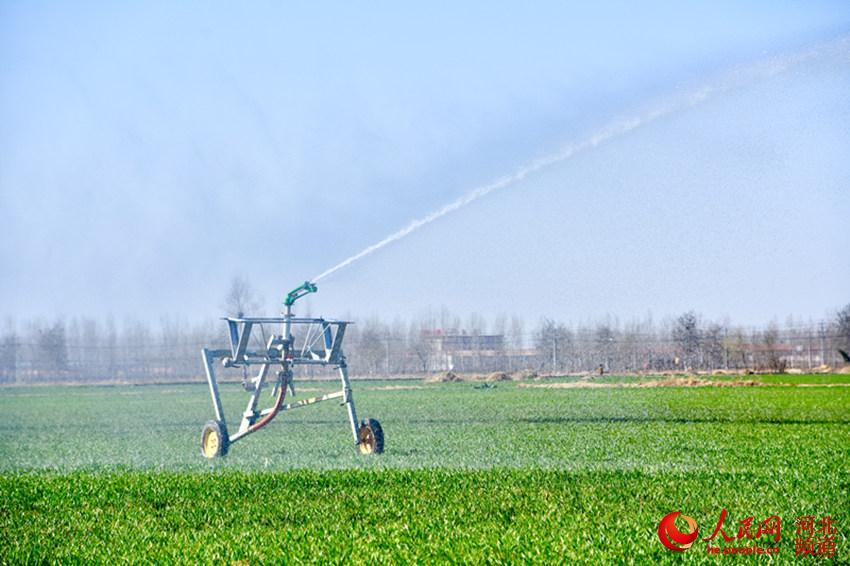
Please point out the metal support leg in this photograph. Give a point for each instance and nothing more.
(251, 413)
(208, 357)
(348, 400)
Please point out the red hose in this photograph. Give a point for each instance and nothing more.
(281, 394)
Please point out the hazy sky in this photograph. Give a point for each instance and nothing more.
(151, 151)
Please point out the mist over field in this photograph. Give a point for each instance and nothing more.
(152, 152)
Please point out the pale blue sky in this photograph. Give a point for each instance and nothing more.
(151, 151)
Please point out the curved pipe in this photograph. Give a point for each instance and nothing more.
(281, 394)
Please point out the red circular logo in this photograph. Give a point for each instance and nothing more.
(673, 538)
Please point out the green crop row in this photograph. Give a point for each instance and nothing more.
(445, 425)
(495, 516)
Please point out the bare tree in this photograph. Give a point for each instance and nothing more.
(553, 341)
(687, 338)
(516, 341)
(630, 344)
(241, 298)
(772, 357)
(9, 353)
(110, 361)
(53, 347)
(843, 331)
(713, 346)
(606, 345)
(419, 345)
(736, 345)
(517, 333)
(371, 346)
(91, 356)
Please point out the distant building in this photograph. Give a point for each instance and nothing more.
(467, 351)
(462, 351)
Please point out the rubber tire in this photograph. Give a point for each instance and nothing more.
(219, 429)
(370, 432)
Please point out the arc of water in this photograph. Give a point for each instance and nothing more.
(732, 79)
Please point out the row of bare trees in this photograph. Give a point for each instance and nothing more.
(690, 343)
(88, 350)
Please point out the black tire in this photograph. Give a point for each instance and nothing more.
(214, 440)
(370, 437)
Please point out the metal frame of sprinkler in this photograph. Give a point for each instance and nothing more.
(319, 343)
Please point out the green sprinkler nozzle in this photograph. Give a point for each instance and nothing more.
(303, 289)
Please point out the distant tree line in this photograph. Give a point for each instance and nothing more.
(89, 350)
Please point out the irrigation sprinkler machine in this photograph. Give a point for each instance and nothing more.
(299, 342)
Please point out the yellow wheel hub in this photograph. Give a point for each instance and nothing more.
(211, 444)
(367, 441)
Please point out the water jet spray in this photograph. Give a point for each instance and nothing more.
(731, 79)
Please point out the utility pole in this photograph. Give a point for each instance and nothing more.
(822, 343)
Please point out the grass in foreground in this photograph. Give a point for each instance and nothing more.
(506, 516)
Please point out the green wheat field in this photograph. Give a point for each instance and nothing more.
(508, 474)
